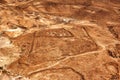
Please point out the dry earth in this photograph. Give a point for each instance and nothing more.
(59, 39)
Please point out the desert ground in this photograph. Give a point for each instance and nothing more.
(59, 39)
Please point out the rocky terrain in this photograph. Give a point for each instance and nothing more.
(59, 39)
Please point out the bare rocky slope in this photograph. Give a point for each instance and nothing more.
(59, 39)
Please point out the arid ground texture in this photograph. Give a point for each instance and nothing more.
(59, 39)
